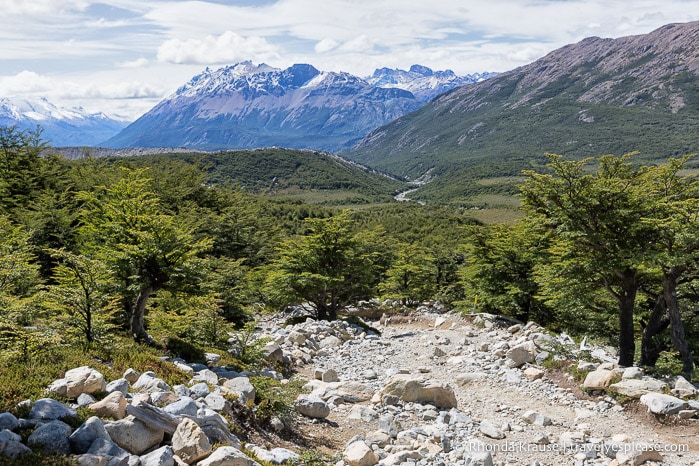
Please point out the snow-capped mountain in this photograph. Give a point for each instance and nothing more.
(248, 105)
(62, 126)
(424, 83)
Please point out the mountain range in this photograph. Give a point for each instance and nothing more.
(61, 126)
(598, 96)
(248, 106)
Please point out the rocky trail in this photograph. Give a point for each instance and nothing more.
(504, 415)
(426, 389)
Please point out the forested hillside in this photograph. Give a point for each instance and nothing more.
(98, 253)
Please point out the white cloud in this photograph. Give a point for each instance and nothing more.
(359, 44)
(326, 45)
(25, 82)
(40, 7)
(226, 48)
(138, 63)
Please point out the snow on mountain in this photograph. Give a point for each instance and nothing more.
(247, 105)
(61, 126)
(424, 83)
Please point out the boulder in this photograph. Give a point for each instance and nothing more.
(81, 440)
(217, 402)
(183, 406)
(419, 389)
(52, 436)
(85, 399)
(133, 435)
(9, 436)
(533, 373)
(240, 387)
(103, 447)
(84, 379)
(521, 354)
(199, 390)
(352, 391)
(359, 454)
(273, 456)
(638, 455)
(13, 449)
(635, 388)
(599, 379)
(659, 403)
(312, 406)
(273, 353)
(682, 388)
(163, 456)
(131, 375)
(8, 421)
(118, 385)
(50, 409)
(189, 442)
(489, 429)
(227, 456)
(112, 406)
(149, 383)
(537, 419)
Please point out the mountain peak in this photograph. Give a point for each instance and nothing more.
(247, 105)
(62, 126)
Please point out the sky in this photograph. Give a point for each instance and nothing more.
(122, 57)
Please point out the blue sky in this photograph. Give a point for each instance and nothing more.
(123, 56)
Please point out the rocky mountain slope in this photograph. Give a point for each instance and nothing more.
(249, 106)
(637, 93)
(62, 126)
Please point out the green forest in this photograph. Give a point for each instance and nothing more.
(117, 258)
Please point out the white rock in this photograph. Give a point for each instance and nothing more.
(227, 456)
(532, 417)
(84, 379)
(359, 454)
(312, 406)
(189, 442)
(659, 403)
(133, 435)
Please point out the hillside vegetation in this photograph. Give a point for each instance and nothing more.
(310, 175)
(599, 96)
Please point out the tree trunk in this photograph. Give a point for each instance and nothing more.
(657, 322)
(676, 327)
(138, 329)
(627, 298)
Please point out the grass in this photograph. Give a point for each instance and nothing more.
(28, 376)
(497, 215)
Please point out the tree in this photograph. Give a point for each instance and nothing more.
(499, 271)
(26, 168)
(147, 250)
(82, 291)
(18, 272)
(412, 277)
(673, 213)
(596, 214)
(329, 267)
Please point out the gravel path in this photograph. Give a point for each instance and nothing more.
(490, 396)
